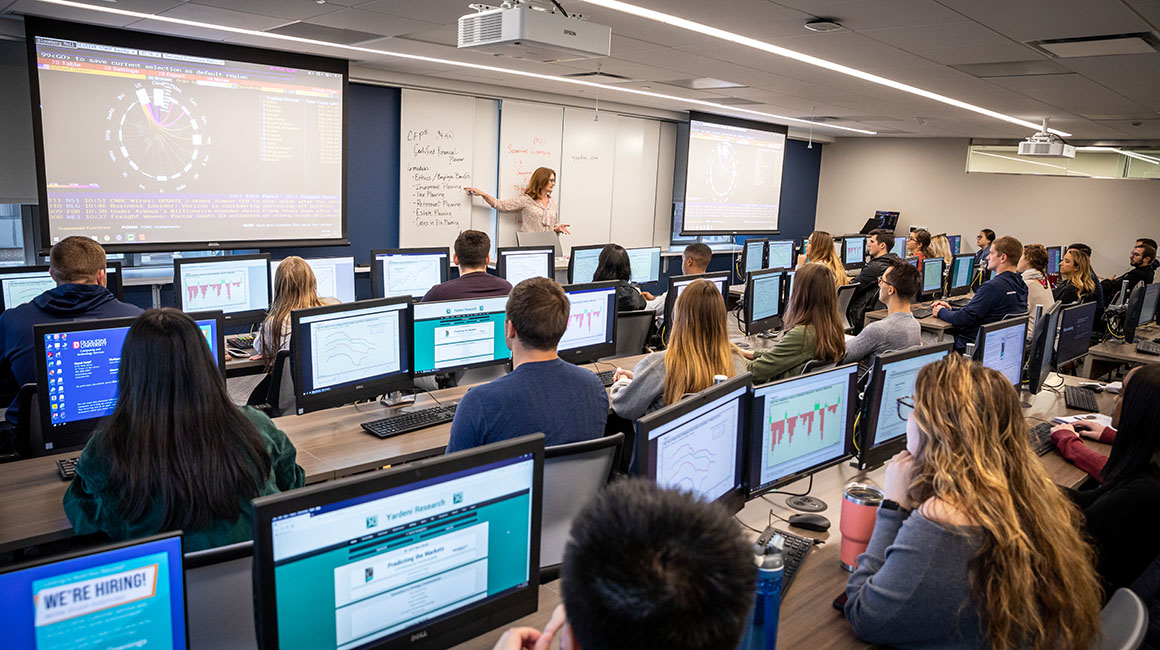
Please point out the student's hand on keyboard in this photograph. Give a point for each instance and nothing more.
(1065, 427)
(1087, 429)
(621, 373)
(937, 306)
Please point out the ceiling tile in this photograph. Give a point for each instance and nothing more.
(1030, 20)
(443, 12)
(953, 43)
(226, 17)
(1147, 129)
(859, 14)
(1124, 74)
(1149, 9)
(287, 9)
(370, 21)
(34, 8)
(1072, 93)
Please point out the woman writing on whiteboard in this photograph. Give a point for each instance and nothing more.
(537, 209)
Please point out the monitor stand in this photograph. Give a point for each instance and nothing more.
(1025, 403)
(397, 398)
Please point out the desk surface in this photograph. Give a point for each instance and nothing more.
(1119, 352)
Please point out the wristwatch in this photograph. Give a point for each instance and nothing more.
(890, 504)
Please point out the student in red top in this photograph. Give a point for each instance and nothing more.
(1068, 438)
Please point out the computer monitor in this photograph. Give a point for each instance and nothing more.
(999, 346)
(838, 247)
(1054, 255)
(645, 264)
(77, 364)
(582, 263)
(698, 443)
(421, 556)
(932, 276)
(1075, 332)
(126, 595)
(817, 410)
(962, 271)
(854, 251)
(349, 352)
(913, 261)
(238, 285)
(882, 433)
(781, 254)
(20, 284)
(1042, 347)
(518, 263)
(887, 219)
(591, 332)
(763, 300)
(753, 256)
(333, 275)
(899, 247)
(408, 271)
(1141, 309)
(956, 243)
(677, 284)
(452, 335)
(1149, 308)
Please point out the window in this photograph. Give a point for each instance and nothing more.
(1089, 162)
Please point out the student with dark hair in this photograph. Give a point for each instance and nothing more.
(614, 265)
(1003, 295)
(472, 255)
(983, 240)
(176, 453)
(543, 393)
(866, 297)
(77, 265)
(694, 261)
(897, 287)
(649, 569)
(1151, 242)
(1141, 259)
(1125, 543)
(918, 244)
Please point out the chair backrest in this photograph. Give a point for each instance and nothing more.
(814, 365)
(573, 474)
(632, 329)
(845, 295)
(29, 441)
(280, 395)
(1123, 623)
(219, 595)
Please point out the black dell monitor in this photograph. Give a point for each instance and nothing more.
(1075, 332)
(956, 243)
(781, 254)
(887, 219)
(420, 556)
(645, 264)
(518, 263)
(763, 300)
(698, 443)
(1141, 309)
(962, 272)
(752, 256)
(1054, 255)
(349, 352)
(591, 332)
(899, 247)
(854, 251)
(237, 285)
(21, 284)
(77, 370)
(799, 426)
(453, 335)
(408, 271)
(881, 431)
(931, 271)
(1042, 347)
(677, 284)
(582, 263)
(999, 346)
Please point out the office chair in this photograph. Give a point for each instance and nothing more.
(815, 365)
(1123, 622)
(632, 330)
(28, 436)
(279, 388)
(573, 474)
(219, 594)
(845, 295)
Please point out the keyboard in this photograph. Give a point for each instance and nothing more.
(67, 468)
(959, 302)
(241, 341)
(922, 312)
(1041, 438)
(1148, 347)
(407, 422)
(1080, 399)
(793, 554)
(606, 376)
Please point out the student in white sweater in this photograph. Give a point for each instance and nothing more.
(1033, 267)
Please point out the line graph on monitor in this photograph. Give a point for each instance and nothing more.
(353, 349)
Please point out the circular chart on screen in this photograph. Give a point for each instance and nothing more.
(722, 171)
(158, 136)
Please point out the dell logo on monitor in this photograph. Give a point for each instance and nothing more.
(419, 635)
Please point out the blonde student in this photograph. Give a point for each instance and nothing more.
(820, 250)
(295, 287)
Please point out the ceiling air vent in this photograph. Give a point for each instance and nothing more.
(1108, 45)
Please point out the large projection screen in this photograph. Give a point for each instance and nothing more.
(150, 142)
(733, 176)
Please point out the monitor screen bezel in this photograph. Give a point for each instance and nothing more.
(572, 261)
(966, 288)
(956, 244)
(781, 242)
(501, 259)
(922, 290)
(753, 486)
(655, 277)
(1039, 362)
(870, 453)
(117, 288)
(671, 293)
(1155, 305)
(353, 265)
(588, 353)
(247, 316)
(460, 626)
(1010, 322)
(415, 372)
(860, 263)
(1061, 250)
(1067, 310)
(913, 261)
(378, 288)
(772, 322)
(745, 255)
(365, 389)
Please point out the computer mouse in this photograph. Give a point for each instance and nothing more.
(810, 521)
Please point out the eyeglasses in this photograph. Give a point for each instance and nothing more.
(905, 407)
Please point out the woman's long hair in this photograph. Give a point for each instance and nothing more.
(940, 246)
(815, 302)
(1081, 277)
(1036, 256)
(538, 182)
(175, 440)
(699, 347)
(295, 287)
(1033, 577)
(1136, 450)
(613, 264)
(822, 252)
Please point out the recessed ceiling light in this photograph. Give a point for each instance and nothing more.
(822, 25)
(715, 32)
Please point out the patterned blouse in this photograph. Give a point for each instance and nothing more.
(532, 215)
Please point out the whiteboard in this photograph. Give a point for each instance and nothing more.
(436, 150)
(634, 187)
(529, 137)
(584, 183)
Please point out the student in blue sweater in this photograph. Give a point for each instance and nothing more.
(543, 393)
(1004, 295)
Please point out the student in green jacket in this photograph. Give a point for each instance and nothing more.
(813, 328)
(176, 453)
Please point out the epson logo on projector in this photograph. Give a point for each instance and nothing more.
(568, 32)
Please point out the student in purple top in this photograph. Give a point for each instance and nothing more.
(472, 255)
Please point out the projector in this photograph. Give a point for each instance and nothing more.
(1043, 145)
(524, 31)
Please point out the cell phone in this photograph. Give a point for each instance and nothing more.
(840, 603)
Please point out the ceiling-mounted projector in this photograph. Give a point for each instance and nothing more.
(1046, 145)
(527, 31)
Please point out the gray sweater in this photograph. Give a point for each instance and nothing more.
(897, 331)
(910, 589)
(645, 392)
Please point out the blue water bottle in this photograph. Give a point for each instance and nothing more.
(761, 633)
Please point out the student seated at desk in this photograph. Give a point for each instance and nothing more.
(819, 249)
(699, 348)
(295, 287)
(1003, 295)
(866, 296)
(614, 265)
(542, 393)
(77, 265)
(897, 287)
(472, 254)
(1033, 269)
(1120, 514)
(940, 246)
(813, 329)
(1076, 280)
(1100, 299)
(694, 261)
(176, 453)
(648, 568)
(974, 546)
(983, 240)
(918, 244)
(1141, 258)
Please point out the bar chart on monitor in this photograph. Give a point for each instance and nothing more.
(224, 289)
(804, 423)
(587, 320)
(352, 349)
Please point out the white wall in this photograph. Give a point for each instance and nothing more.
(925, 179)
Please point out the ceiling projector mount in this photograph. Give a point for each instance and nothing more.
(1046, 145)
(536, 30)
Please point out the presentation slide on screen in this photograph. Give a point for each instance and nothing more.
(146, 147)
(411, 275)
(804, 425)
(348, 347)
(698, 451)
(459, 333)
(591, 319)
(382, 566)
(734, 178)
(229, 286)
